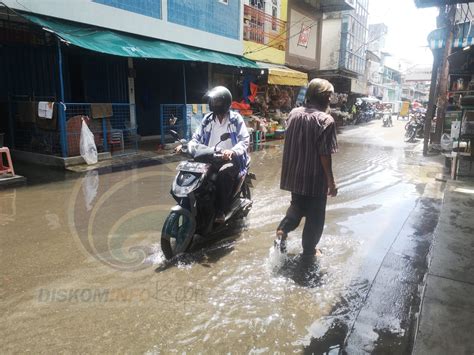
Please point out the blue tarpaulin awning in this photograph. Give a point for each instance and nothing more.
(463, 36)
(127, 45)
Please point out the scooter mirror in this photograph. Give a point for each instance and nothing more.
(225, 136)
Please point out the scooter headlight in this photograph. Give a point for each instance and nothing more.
(186, 179)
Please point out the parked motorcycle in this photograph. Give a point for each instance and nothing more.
(194, 191)
(414, 127)
(364, 116)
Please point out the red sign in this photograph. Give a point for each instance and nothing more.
(304, 36)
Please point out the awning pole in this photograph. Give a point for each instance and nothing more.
(431, 103)
(184, 85)
(62, 106)
(185, 118)
(443, 76)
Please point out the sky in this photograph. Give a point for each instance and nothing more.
(408, 28)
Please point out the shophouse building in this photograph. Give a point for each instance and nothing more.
(119, 62)
(343, 48)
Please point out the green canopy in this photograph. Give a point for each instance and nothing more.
(128, 45)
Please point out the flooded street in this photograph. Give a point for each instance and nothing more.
(82, 270)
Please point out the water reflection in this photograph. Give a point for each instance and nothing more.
(90, 185)
(7, 207)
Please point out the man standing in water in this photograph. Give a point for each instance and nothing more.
(306, 172)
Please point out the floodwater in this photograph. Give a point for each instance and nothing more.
(81, 268)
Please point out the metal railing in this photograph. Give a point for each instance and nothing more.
(263, 28)
(30, 133)
(114, 132)
(173, 117)
(184, 119)
(110, 123)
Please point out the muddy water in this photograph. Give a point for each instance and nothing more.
(81, 268)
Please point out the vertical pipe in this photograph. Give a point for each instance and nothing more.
(209, 76)
(131, 94)
(164, 10)
(162, 128)
(184, 84)
(185, 122)
(104, 133)
(62, 107)
(11, 124)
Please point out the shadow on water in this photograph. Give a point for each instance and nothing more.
(204, 256)
(339, 321)
(332, 342)
(303, 270)
(40, 174)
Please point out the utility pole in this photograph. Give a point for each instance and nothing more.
(443, 74)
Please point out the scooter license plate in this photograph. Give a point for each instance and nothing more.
(192, 167)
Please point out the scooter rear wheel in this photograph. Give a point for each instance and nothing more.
(176, 235)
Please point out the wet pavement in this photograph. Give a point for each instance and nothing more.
(446, 318)
(82, 271)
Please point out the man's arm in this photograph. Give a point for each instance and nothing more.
(327, 145)
(243, 138)
(198, 135)
(326, 162)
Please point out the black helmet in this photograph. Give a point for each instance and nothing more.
(219, 100)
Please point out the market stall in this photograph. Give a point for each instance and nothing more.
(458, 128)
(268, 99)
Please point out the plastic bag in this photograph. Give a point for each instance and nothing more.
(446, 142)
(87, 145)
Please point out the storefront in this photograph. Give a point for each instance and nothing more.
(119, 81)
(269, 97)
(458, 127)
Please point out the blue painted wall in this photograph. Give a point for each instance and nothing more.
(207, 15)
(151, 8)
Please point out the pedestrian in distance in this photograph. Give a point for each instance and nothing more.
(306, 172)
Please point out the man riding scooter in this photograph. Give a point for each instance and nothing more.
(234, 165)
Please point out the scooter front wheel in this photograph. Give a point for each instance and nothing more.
(176, 235)
(410, 135)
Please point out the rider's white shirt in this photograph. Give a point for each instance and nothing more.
(217, 130)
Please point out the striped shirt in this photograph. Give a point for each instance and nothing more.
(310, 133)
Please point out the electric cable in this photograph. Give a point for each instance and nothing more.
(268, 45)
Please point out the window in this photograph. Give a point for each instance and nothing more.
(259, 4)
(274, 17)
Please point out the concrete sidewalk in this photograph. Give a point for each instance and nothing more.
(446, 320)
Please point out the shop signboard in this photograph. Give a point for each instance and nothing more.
(304, 36)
